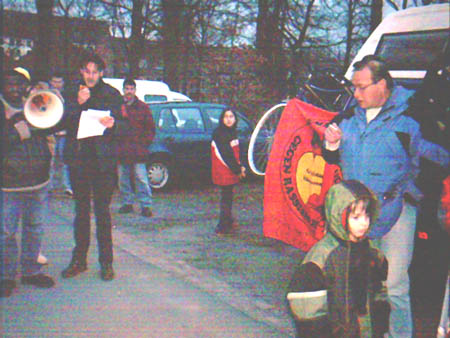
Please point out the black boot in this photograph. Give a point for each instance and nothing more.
(106, 272)
(223, 229)
(75, 268)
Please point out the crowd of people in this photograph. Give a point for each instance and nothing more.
(87, 167)
(378, 144)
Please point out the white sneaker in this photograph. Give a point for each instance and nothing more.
(42, 259)
(68, 192)
(442, 332)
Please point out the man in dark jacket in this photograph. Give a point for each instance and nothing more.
(58, 168)
(133, 151)
(25, 176)
(92, 162)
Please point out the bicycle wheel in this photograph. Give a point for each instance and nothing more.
(262, 139)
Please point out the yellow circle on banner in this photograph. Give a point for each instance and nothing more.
(309, 175)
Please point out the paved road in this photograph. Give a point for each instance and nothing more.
(159, 291)
(175, 278)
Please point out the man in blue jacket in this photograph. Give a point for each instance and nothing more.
(379, 145)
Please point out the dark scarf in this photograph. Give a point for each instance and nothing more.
(229, 133)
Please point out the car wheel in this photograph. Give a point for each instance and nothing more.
(159, 173)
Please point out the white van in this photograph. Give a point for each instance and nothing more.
(150, 91)
(409, 40)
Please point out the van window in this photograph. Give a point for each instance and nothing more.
(154, 98)
(412, 50)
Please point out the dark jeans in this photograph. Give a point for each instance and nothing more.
(226, 204)
(88, 181)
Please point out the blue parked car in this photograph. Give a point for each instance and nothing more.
(182, 144)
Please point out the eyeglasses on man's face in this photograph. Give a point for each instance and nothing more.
(362, 88)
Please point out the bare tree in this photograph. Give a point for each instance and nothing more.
(136, 38)
(63, 58)
(296, 35)
(172, 37)
(44, 37)
(202, 39)
(269, 43)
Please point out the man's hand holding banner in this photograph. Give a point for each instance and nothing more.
(297, 177)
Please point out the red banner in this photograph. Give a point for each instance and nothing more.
(297, 177)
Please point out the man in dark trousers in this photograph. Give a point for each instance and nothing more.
(92, 161)
(133, 151)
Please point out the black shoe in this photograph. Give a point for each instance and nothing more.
(40, 280)
(74, 268)
(221, 231)
(126, 209)
(107, 272)
(147, 212)
(6, 287)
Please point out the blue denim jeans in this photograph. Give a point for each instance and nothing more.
(143, 190)
(59, 170)
(30, 208)
(397, 245)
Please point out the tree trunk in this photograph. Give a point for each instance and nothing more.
(43, 49)
(136, 38)
(269, 43)
(172, 37)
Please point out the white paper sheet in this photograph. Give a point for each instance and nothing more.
(90, 123)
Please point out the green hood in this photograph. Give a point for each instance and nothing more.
(339, 197)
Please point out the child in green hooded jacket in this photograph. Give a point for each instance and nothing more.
(337, 290)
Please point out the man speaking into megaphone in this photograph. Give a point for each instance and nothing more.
(92, 119)
(25, 176)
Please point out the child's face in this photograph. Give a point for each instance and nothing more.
(358, 223)
(228, 118)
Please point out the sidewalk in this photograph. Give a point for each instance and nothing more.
(153, 295)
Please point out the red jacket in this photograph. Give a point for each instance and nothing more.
(444, 209)
(225, 163)
(133, 147)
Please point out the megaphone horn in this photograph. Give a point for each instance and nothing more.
(43, 109)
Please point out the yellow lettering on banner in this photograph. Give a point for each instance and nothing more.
(310, 170)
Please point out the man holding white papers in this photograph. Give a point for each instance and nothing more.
(92, 119)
